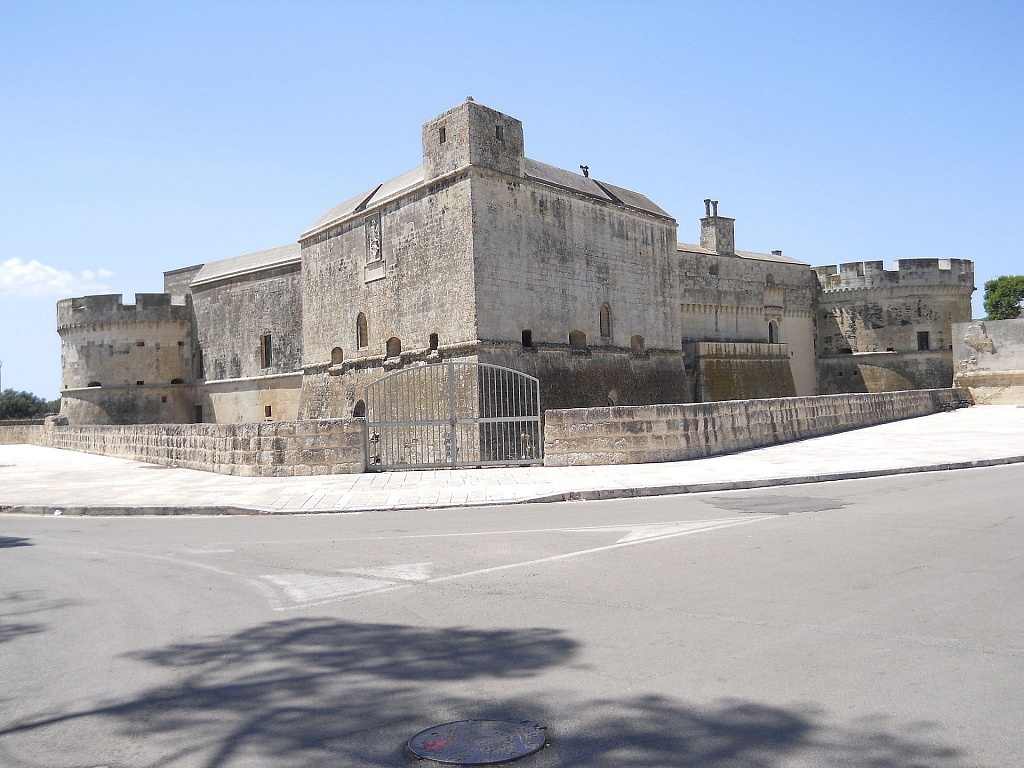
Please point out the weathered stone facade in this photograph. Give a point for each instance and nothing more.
(125, 363)
(483, 254)
(989, 357)
(882, 330)
(642, 434)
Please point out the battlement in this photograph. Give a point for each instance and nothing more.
(109, 308)
(906, 273)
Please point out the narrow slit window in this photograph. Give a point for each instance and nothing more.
(442, 135)
(362, 332)
(266, 350)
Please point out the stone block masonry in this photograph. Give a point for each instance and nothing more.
(656, 433)
(270, 449)
(572, 437)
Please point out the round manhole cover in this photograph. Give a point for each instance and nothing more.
(478, 742)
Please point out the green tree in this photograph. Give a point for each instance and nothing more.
(22, 405)
(1003, 296)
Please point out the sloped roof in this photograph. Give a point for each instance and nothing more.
(378, 194)
(691, 248)
(559, 177)
(533, 169)
(250, 262)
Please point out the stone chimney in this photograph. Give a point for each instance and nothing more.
(717, 233)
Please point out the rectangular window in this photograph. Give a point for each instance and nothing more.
(499, 132)
(441, 135)
(266, 351)
(922, 340)
(267, 411)
(199, 414)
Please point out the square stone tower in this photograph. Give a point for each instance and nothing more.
(472, 134)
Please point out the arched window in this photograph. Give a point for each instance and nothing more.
(606, 322)
(362, 333)
(577, 340)
(394, 347)
(636, 343)
(94, 384)
(773, 332)
(177, 381)
(337, 356)
(359, 412)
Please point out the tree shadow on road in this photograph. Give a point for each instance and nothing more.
(14, 606)
(307, 693)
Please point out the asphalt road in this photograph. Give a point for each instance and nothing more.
(856, 623)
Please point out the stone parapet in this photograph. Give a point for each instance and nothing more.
(21, 431)
(109, 310)
(908, 273)
(656, 433)
(270, 449)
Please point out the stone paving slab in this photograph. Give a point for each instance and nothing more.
(35, 479)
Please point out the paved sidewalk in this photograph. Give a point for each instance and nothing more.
(34, 479)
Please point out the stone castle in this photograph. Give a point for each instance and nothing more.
(482, 254)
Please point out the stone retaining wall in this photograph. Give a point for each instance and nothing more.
(278, 448)
(653, 433)
(15, 431)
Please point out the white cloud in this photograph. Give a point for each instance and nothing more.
(35, 279)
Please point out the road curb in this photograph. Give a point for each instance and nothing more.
(596, 494)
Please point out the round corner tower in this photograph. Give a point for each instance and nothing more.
(125, 363)
(902, 318)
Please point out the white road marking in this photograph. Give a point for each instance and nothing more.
(306, 588)
(594, 550)
(406, 572)
(655, 530)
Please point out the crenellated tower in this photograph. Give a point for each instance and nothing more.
(125, 363)
(901, 318)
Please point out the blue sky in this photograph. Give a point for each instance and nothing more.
(137, 137)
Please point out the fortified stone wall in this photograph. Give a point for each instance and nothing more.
(548, 260)
(406, 267)
(733, 371)
(125, 363)
(866, 308)
(177, 282)
(908, 310)
(139, 404)
(270, 449)
(105, 342)
(989, 357)
(261, 398)
(597, 376)
(884, 371)
(22, 432)
(739, 296)
(655, 433)
(235, 315)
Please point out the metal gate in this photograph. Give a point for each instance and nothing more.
(453, 414)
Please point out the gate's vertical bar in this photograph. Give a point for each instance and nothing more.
(451, 411)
